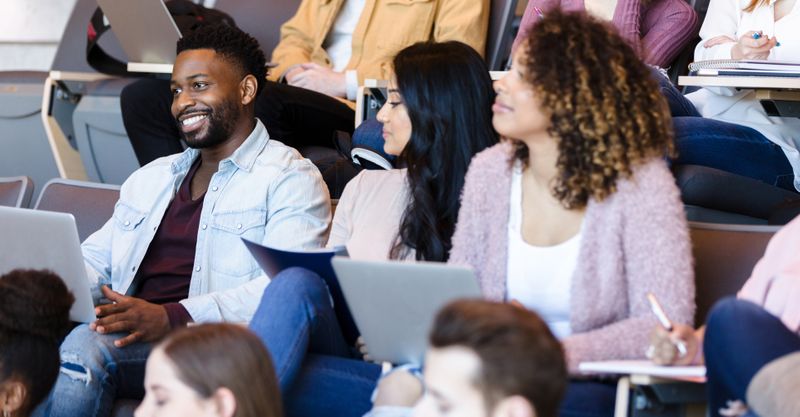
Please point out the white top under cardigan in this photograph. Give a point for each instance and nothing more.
(540, 277)
(726, 17)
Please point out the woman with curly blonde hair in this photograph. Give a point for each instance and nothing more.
(575, 214)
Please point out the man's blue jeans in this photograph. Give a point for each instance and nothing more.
(741, 337)
(94, 373)
(318, 373)
(726, 146)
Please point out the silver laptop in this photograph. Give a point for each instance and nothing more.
(145, 29)
(34, 239)
(394, 303)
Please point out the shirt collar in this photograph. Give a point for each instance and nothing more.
(244, 157)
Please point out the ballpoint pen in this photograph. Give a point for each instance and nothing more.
(655, 306)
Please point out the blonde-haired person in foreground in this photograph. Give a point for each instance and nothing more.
(211, 370)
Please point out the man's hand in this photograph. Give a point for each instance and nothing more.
(318, 78)
(144, 321)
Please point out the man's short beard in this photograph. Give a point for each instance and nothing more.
(221, 124)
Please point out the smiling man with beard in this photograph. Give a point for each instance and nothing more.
(172, 253)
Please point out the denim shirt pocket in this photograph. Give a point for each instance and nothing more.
(127, 227)
(229, 256)
(127, 218)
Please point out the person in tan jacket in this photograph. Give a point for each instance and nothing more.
(313, 54)
(326, 50)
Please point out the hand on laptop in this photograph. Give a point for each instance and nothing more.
(144, 321)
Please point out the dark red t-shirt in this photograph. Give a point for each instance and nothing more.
(166, 270)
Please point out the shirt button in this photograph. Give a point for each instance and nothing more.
(197, 268)
(127, 223)
(239, 226)
(133, 269)
(204, 226)
(214, 188)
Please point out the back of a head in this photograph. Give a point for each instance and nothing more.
(233, 44)
(34, 318)
(518, 353)
(212, 356)
(605, 106)
(448, 95)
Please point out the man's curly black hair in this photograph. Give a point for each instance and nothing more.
(231, 43)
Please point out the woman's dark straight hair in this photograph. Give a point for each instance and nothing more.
(448, 94)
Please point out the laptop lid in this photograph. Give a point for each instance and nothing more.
(394, 303)
(144, 28)
(34, 239)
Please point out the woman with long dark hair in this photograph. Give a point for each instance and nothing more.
(438, 115)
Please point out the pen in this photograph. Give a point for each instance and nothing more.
(655, 306)
(757, 35)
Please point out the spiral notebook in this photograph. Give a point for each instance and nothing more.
(741, 64)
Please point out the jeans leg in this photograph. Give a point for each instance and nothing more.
(741, 337)
(295, 317)
(587, 398)
(299, 117)
(94, 373)
(147, 116)
(332, 386)
(733, 148)
(679, 105)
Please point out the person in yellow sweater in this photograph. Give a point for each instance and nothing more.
(326, 50)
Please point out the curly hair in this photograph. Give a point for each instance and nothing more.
(606, 110)
(448, 95)
(232, 44)
(34, 318)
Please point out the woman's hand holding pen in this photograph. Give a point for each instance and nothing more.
(663, 344)
(753, 45)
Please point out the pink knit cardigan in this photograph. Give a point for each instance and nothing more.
(658, 31)
(634, 241)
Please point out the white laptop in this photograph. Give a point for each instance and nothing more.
(145, 29)
(34, 239)
(394, 303)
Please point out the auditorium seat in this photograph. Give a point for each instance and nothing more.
(91, 204)
(24, 148)
(261, 19)
(100, 135)
(724, 257)
(15, 191)
(501, 35)
(716, 196)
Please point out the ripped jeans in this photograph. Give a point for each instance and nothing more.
(94, 373)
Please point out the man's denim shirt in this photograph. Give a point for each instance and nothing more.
(265, 192)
